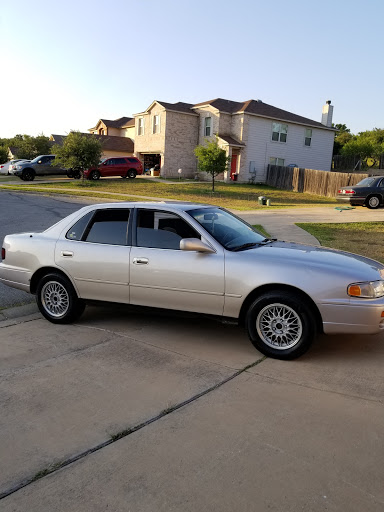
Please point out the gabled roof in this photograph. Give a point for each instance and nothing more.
(230, 140)
(180, 106)
(253, 107)
(257, 107)
(129, 123)
(116, 123)
(109, 142)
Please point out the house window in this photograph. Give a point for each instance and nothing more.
(279, 132)
(156, 124)
(308, 137)
(140, 128)
(276, 161)
(207, 126)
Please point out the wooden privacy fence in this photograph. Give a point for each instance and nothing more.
(321, 183)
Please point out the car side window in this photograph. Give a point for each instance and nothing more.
(162, 230)
(120, 161)
(381, 183)
(77, 230)
(108, 227)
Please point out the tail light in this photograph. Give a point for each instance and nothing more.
(3, 253)
(350, 191)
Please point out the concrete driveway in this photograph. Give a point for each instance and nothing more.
(133, 409)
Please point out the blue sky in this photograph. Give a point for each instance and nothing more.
(67, 64)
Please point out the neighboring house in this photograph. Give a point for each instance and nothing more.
(112, 145)
(122, 127)
(252, 133)
(12, 152)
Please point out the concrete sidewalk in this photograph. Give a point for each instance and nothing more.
(203, 428)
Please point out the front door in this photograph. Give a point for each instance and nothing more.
(95, 252)
(233, 166)
(163, 276)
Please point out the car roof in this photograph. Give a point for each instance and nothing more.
(174, 205)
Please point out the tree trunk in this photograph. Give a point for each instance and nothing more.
(213, 182)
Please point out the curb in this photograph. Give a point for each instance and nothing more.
(13, 313)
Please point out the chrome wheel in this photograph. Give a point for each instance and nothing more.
(279, 326)
(373, 202)
(55, 299)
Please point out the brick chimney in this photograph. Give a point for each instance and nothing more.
(326, 117)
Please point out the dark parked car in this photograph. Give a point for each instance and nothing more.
(41, 166)
(368, 192)
(126, 167)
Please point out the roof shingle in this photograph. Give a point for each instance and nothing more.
(109, 142)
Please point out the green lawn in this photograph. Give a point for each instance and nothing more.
(230, 195)
(365, 238)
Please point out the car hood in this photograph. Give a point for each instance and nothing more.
(291, 253)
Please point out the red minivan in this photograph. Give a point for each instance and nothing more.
(124, 166)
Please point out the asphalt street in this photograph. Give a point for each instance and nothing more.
(27, 212)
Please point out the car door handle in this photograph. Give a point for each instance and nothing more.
(140, 261)
(67, 254)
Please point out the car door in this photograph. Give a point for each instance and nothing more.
(120, 167)
(44, 165)
(55, 169)
(109, 167)
(95, 252)
(163, 276)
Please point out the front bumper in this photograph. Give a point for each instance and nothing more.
(356, 317)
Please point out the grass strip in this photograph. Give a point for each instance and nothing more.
(364, 238)
(235, 196)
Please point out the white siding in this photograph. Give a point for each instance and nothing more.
(260, 147)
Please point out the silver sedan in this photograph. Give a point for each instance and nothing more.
(197, 258)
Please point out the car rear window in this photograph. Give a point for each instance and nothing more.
(366, 182)
(77, 230)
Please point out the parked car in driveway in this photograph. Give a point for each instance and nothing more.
(42, 165)
(126, 167)
(368, 192)
(9, 167)
(197, 258)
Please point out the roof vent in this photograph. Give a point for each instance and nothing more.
(259, 101)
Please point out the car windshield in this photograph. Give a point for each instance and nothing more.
(231, 232)
(366, 182)
(35, 160)
(103, 160)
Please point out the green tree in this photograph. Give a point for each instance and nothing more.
(211, 159)
(3, 154)
(368, 146)
(78, 152)
(343, 136)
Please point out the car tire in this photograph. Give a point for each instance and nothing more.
(57, 299)
(94, 175)
(280, 325)
(28, 175)
(373, 202)
(131, 173)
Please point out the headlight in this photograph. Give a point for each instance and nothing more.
(18, 166)
(369, 290)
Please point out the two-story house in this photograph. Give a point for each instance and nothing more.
(252, 133)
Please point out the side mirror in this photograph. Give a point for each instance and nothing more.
(194, 244)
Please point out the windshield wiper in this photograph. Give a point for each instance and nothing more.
(245, 246)
(268, 240)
